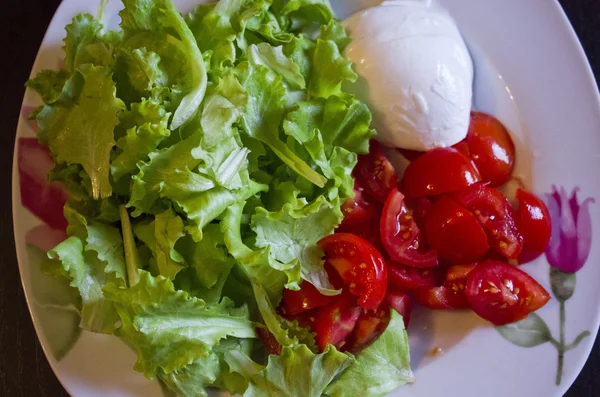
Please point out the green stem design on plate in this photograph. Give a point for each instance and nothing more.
(561, 347)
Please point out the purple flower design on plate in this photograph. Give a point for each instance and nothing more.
(571, 231)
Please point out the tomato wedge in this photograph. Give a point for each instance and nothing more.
(335, 322)
(503, 294)
(491, 148)
(436, 298)
(368, 327)
(439, 171)
(454, 232)
(400, 302)
(358, 210)
(534, 224)
(267, 338)
(496, 216)
(360, 265)
(401, 236)
(456, 280)
(375, 173)
(307, 298)
(408, 278)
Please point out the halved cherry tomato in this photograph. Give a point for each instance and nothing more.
(369, 326)
(534, 224)
(503, 294)
(436, 298)
(368, 231)
(408, 278)
(375, 173)
(267, 338)
(360, 265)
(400, 302)
(439, 171)
(358, 210)
(305, 319)
(456, 280)
(454, 232)
(401, 235)
(307, 298)
(335, 322)
(491, 148)
(496, 216)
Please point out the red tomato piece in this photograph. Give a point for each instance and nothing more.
(358, 210)
(305, 319)
(368, 231)
(491, 148)
(307, 298)
(335, 322)
(439, 171)
(410, 155)
(503, 294)
(400, 302)
(454, 232)
(368, 327)
(494, 212)
(534, 224)
(401, 236)
(360, 265)
(436, 298)
(408, 278)
(456, 281)
(267, 338)
(375, 173)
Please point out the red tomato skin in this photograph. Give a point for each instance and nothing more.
(401, 236)
(439, 171)
(408, 278)
(375, 173)
(496, 216)
(456, 280)
(491, 148)
(335, 322)
(368, 231)
(502, 293)
(435, 298)
(267, 338)
(534, 224)
(400, 302)
(307, 298)
(359, 210)
(360, 265)
(454, 232)
(369, 326)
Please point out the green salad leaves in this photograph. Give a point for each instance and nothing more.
(205, 155)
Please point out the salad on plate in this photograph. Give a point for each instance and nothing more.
(256, 193)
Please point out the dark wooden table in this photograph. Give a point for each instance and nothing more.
(24, 371)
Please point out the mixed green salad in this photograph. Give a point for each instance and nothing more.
(205, 156)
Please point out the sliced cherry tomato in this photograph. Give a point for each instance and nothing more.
(439, 171)
(456, 280)
(334, 276)
(400, 302)
(491, 148)
(307, 298)
(368, 231)
(335, 322)
(360, 265)
(454, 232)
(408, 278)
(369, 326)
(503, 294)
(436, 298)
(375, 173)
(535, 225)
(267, 338)
(359, 210)
(497, 217)
(401, 236)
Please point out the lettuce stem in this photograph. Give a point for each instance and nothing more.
(132, 260)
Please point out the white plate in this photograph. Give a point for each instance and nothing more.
(533, 75)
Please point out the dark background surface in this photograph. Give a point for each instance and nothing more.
(24, 370)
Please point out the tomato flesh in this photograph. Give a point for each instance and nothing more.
(491, 148)
(267, 338)
(358, 210)
(368, 327)
(375, 173)
(436, 298)
(335, 322)
(408, 278)
(534, 224)
(456, 281)
(401, 236)
(454, 232)
(360, 265)
(307, 298)
(400, 302)
(496, 216)
(439, 171)
(503, 294)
